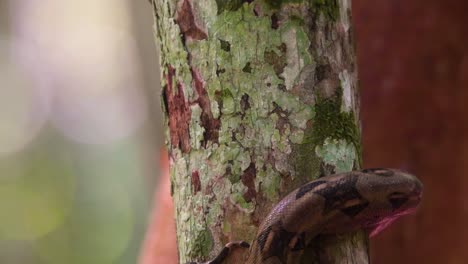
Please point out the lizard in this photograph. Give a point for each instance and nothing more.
(370, 199)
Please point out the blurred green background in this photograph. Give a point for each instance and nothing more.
(79, 122)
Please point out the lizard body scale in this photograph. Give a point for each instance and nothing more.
(369, 199)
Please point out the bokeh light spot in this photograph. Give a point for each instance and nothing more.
(93, 68)
(37, 199)
(24, 108)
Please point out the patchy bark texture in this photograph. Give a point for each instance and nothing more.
(260, 97)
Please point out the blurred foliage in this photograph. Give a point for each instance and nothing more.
(65, 198)
(73, 203)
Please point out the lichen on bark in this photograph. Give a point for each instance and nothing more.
(266, 93)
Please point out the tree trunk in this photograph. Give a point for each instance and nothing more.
(260, 97)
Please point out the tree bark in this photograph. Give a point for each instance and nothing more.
(260, 97)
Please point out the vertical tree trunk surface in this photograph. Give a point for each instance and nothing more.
(260, 97)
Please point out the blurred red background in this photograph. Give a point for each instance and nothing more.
(413, 67)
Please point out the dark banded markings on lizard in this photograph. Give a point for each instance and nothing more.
(341, 192)
(307, 188)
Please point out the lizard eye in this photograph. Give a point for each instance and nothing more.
(397, 199)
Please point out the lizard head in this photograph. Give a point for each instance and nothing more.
(390, 194)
